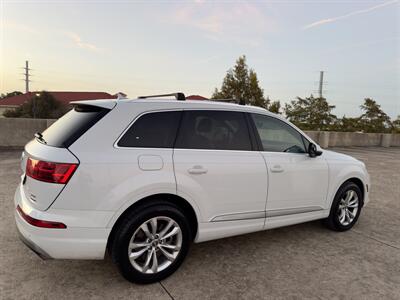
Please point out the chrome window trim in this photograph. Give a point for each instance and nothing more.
(115, 145)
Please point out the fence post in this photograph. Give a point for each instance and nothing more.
(324, 139)
(386, 140)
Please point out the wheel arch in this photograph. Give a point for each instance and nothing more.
(357, 181)
(166, 198)
(354, 179)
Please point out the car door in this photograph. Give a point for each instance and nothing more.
(216, 167)
(297, 183)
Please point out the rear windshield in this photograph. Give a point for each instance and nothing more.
(66, 130)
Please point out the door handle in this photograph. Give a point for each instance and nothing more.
(197, 170)
(276, 169)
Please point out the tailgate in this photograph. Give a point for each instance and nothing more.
(49, 161)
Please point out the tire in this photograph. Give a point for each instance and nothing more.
(338, 220)
(133, 237)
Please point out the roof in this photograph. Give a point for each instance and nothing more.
(63, 97)
(157, 103)
(196, 97)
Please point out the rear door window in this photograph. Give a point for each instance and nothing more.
(152, 130)
(66, 130)
(219, 130)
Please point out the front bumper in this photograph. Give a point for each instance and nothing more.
(73, 242)
(367, 188)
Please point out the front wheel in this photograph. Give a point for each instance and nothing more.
(151, 243)
(346, 207)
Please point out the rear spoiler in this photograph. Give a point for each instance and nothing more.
(109, 104)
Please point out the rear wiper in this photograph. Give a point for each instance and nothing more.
(40, 138)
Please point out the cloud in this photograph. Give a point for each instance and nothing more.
(29, 30)
(21, 27)
(79, 43)
(364, 44)
(242, 22)
(354, 13)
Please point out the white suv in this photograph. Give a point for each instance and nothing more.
(144, 178)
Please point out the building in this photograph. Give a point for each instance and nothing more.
(63, 97)
(196, 97)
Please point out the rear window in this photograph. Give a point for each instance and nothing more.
(219, 130)
(66, 130)
(152, 130)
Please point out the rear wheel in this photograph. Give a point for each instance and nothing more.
(346, 207)
(151, 243)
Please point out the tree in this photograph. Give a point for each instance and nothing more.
(348, 124)
(310, 113)
(241, 84)
(42, 106)
(396, 125)
(275, 107)
(11, 94)
(374, 119)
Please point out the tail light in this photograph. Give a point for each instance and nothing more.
(50, 171)
(40, 223)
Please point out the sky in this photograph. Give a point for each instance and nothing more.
(152, 47)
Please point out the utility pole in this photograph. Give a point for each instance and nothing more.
(27, 76)
(321, 83)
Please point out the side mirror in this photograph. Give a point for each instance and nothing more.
(312, 150)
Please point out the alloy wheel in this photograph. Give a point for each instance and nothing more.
(348, 207)
(155, 245)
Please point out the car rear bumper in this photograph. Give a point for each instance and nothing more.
(70, 243)
(35, 248)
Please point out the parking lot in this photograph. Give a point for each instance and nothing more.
(302, 261)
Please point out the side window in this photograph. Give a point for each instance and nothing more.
(152, 130)
(277, 136)
(220, 130)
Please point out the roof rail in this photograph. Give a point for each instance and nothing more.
(178, 96)
(236, 101)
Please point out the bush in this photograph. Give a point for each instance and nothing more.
(41, 106)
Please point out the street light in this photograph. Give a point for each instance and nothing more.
(34, 105)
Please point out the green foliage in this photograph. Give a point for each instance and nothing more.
(275, 107)
(241, 84)
(396, 125)
(11, 94)
(41, 106)
(310, 113)
(374, 119)
(348, 125)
